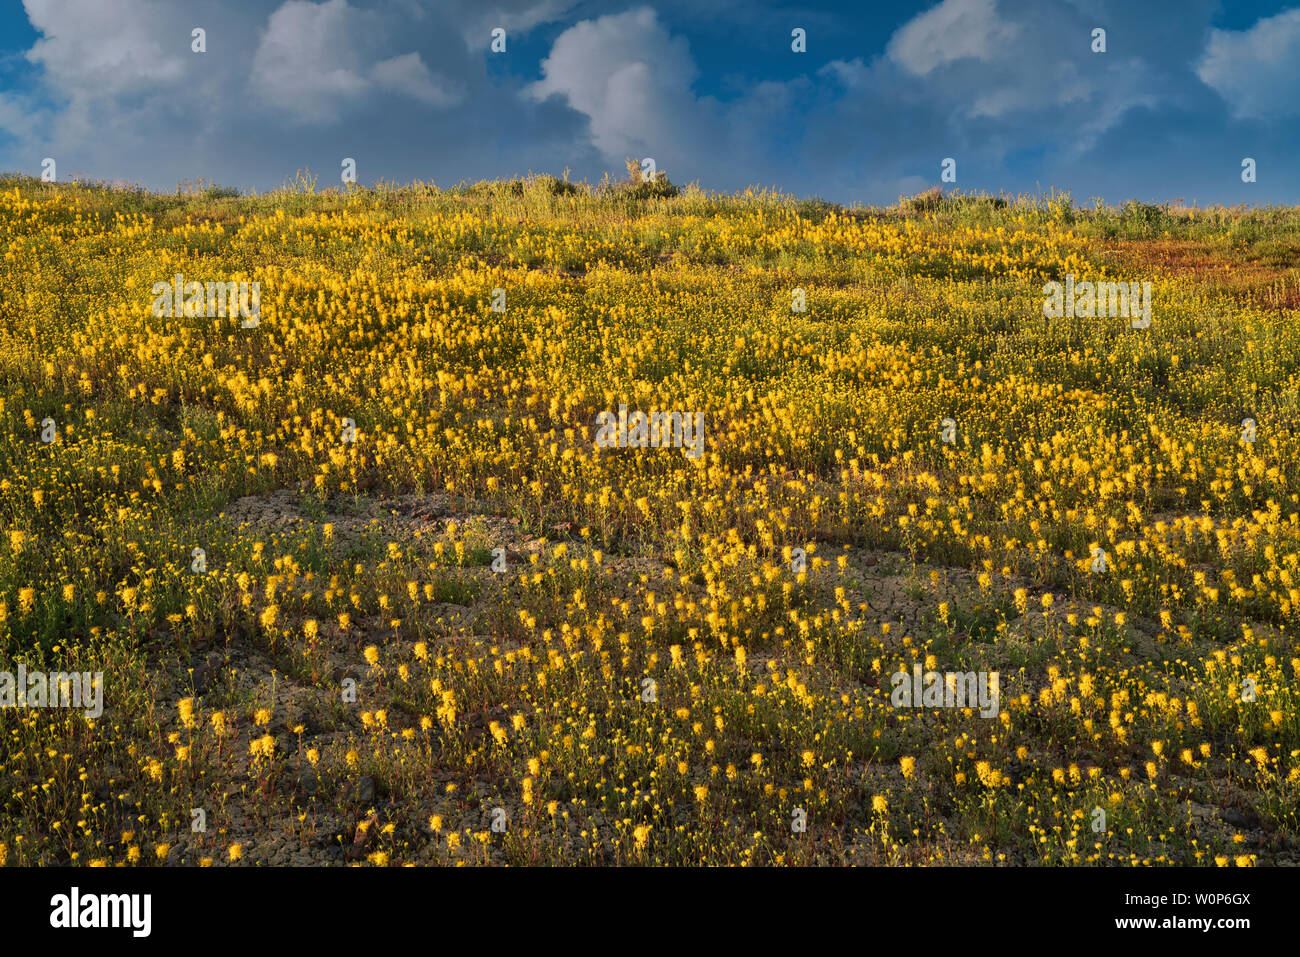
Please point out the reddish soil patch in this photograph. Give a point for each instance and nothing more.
(1272, 281)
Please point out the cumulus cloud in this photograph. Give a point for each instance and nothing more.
(408, 75)
(954, 30)
(479, 18)
(114, 91)
(312, 61)
(981, 80)
(305, 63)
(1255, 70)
(94, 49)
(632, 79)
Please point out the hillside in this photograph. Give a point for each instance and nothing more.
(364, 585)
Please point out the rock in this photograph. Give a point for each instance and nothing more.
(207, 671)
(365, 789)
(1247, 818)
(308, 781)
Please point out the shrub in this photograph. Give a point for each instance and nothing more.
(925, 202)
(552, 185)
(638, 187)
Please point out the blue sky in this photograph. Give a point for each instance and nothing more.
(711, 89)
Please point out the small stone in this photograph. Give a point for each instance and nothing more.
(1239, 819)
(366, 789)
(308, 781)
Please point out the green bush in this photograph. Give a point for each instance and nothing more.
(638, 187)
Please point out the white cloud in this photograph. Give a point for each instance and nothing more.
(953, 30)
(123, 97)
(848, 73)
(310, 63)
(1256, 70)
(408, 75)
(90, 49)
(305, 64)
(632, 79)
(1057, 86)
(514, 16)
(19, 118)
